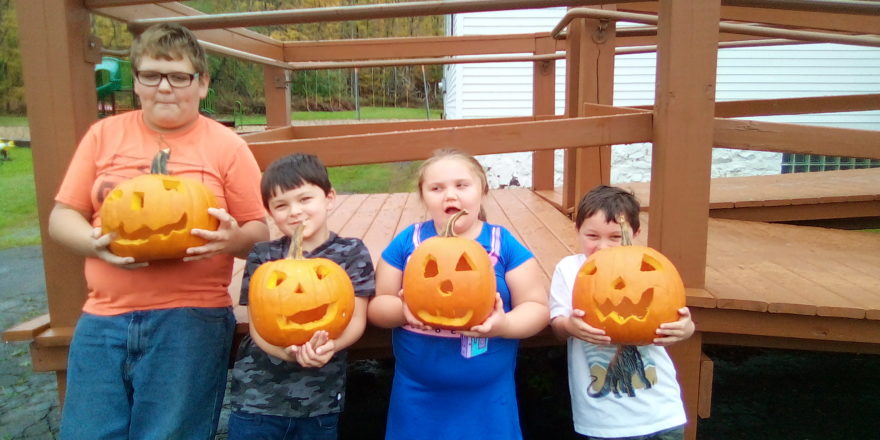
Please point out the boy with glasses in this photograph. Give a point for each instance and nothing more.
(150, 352)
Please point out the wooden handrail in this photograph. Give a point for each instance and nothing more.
(358, 12)
(792, 106)
(818, 37)
(28, 330)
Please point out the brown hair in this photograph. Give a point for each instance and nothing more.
(467, 159)
(291, 172)
(611, 200)
(169, 41)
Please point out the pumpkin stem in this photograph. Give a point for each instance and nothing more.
(160, 162)
(296, 243)
(448, 231)
(625, 231)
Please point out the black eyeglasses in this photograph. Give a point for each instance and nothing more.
(175, 79)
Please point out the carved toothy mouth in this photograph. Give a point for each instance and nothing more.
(626, 310)
(145, 233)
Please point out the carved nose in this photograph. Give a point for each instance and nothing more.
(446, 288)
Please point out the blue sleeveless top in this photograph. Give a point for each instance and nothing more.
(437, 393)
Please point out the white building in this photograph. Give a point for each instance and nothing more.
(505, 89)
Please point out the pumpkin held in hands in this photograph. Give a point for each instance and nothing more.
(292, 298)
(628, 291)
(152, 215)
(449, 281)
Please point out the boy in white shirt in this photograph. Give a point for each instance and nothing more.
(605, 403)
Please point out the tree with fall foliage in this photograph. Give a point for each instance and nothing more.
(241, 83)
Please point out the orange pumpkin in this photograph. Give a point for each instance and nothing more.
(449, 281)
(292, 298)
(628, 291)
(152, 215)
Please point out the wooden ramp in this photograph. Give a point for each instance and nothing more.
(795, 197)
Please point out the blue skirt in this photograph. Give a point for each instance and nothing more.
(438, 393)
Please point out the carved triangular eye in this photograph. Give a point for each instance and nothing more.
(321, 272)
(464, 264)
(649, 264)
(431, 270)
(589, 268)
(276, 278)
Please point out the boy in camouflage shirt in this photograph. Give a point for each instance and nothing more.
(298, 391)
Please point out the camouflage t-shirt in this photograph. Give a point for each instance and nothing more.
(264, 384)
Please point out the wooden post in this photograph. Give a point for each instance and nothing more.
(572, 105)
(687, 357)
(58, 57)
(543, 103)
(684, 111)
(277, 91)
(590, 79)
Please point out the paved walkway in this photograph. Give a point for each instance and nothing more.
(28, 400)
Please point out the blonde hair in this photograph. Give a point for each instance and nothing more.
(169, 41)
(467, 159)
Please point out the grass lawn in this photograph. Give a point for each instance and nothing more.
(366, 113)
(19, 225)
(13, 121)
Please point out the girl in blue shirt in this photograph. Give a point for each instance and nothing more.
(437, 392)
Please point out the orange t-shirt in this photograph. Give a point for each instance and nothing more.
(121, 147)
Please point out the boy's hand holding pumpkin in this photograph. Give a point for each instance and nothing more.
(315, 353)
(677, 331)
(577, 327)
(102, 251)
(219, 242)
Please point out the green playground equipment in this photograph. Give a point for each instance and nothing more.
(114, 85)
(112, 75)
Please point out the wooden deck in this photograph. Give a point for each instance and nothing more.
(766, 269)
(838, 197)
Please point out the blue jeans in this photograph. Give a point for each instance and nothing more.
(676, 433)
(249, 426)
(155, 374)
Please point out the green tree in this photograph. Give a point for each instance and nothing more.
(114, 35)
(11, 83)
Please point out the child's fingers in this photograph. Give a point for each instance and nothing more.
(326, 347)
(582, 325)
(319, 338)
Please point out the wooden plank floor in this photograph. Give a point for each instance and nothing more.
(782, 197)
(772, 269)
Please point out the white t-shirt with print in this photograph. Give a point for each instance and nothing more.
(597, 409)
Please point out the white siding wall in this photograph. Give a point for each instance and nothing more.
(504, 89)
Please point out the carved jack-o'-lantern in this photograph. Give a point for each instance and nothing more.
(153, 214)
(292, 298)
(628, 291)
(449, 281)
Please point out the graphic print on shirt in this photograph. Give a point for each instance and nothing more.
(619, 371)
